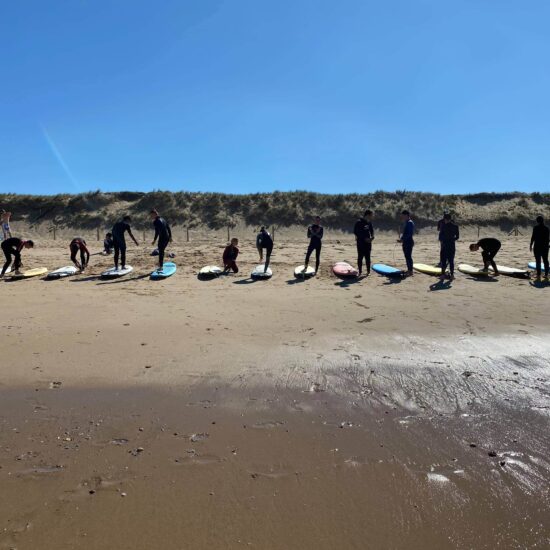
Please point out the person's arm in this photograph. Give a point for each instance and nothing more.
(457, 236)
(87, 252)
(371, 238)
(532, 239)
(356, 229)
(131, 235)
(320, 233)
(156, 226)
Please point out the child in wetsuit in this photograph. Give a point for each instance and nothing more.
(108, 244)
(230, 255)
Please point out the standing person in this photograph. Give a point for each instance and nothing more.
(448, 236)
(6, 230)
(264, 240)
(12, 247)
(78, 244)
(540, 241)
(407, 240)
(489, 248)
(315, 236)
(119, 241)
(163, 233)
(440, 225)
(230, 255)
(364, 235)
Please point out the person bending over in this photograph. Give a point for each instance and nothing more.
(163, 233)
(78, 244)
(230, 255)
(407, 240)
(119, 242)
(12, 248)
(264, 240)
(448, 236)
(364, 235)
(489, 248)
(540, 241)
(315, 235)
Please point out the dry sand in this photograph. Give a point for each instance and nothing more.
(278, 414)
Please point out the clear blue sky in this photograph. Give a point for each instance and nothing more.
(257, 95)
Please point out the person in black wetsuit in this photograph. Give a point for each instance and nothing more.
(163, 233)
(540, 241)
(489, 248)
(364, 235)
(448, 235)
(407, 240)
(119, 241)
(108, 243)
(78, 244)
(12, 248)
(264, 240)
(315, 236)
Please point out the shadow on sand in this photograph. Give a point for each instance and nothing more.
(441, 285)
(123, 279)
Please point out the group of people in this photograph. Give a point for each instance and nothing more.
(449, 234)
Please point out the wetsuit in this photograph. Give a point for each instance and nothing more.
(489, 247)
(164, 235)
(108, 246)
(77, 245)
(540, 241)
(264, 240)
(230, 255)
(364, 233)
(12, 248)
(315, 234)
(119, 241)
(448, 236)
(408, 243)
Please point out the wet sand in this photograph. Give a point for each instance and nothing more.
(279, 414)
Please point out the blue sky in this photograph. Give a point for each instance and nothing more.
(243, 96)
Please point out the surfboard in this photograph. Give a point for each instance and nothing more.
(30, 273)
(7, 270)
(511, 271)
(66, 271)
(474, 271)
(168, 269)
(210, 272)
(259, 273)
(343, 270)
(115, 273)
(387, 270)
(427, 269)
(532, 265)
(301, 273)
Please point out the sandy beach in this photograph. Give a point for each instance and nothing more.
(274, 414)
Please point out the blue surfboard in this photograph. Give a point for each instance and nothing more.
(387, 270)
(168, 269)
(532, 265)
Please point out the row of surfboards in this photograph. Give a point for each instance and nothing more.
(168, 269)
(343, 270)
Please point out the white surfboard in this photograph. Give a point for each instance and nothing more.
(259, 272)
(66, 271)
(302, 273)
(114, 273)
(210, 272)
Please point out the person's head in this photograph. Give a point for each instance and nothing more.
(262, 229)
(317, 220)
(368, 215)
(446, 217)
(109, 236)
(405, 215)
(234, 241)
(29, 244)
(540, 220)
(474, 247)
(127, 219)
(154, 213)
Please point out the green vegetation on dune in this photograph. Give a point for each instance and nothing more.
(283, 209)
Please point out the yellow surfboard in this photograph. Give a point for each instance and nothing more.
(427, 269)
(30, 273)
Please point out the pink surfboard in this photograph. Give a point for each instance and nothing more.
(343, 270)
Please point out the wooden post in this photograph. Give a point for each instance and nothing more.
(144, 235)
(187, 228)
(227, 233)
(54, 232)
(98, 232)
(273, 233)
(478, 231)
